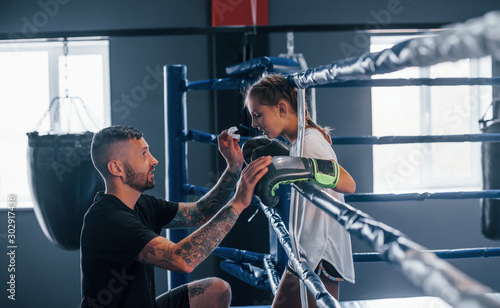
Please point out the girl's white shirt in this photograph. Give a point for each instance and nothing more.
(320, 236)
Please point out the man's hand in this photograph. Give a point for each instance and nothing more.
(249, 178)
(230, 149)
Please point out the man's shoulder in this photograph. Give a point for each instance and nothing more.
(150, 200)
(104, 209)
(104, 202)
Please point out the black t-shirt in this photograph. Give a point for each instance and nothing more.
(112, 237)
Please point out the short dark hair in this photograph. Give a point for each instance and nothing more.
(104, 139)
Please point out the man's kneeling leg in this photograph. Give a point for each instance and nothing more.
(178, 297)
(209, 292)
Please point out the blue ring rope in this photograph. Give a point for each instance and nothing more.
(239, 83)
(368, 197)
(465, 253)
(198, 136)
(243, 256)
(486, 137)
(405, 82)
(217, 84)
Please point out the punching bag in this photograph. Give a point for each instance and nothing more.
(63, 183)
(490, 208)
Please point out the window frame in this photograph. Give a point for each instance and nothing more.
(428, 181)
(54, 48)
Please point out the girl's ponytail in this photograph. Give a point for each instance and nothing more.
(273, 88)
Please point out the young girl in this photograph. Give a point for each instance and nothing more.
(272, 103)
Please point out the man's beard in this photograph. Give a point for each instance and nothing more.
(137, 181)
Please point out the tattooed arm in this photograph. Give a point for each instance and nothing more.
(191, 251)
(185, 255)
(196, 214)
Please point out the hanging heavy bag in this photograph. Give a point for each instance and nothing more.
(62, 178)
(490, 208)
(63, 183)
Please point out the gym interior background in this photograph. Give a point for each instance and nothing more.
(47, 276)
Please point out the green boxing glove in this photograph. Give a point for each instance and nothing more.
(326, 172)
(286, 169)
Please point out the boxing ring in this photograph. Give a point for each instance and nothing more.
(425, 268)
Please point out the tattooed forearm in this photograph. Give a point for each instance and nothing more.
(196, 214)
(219, 195)
(188, 215)
(195, 248)
(191, 251)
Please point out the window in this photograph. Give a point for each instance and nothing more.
(32, 74)
(426, 110)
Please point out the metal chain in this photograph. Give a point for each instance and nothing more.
(289, 43)
(65, 52)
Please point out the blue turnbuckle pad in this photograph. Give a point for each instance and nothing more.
(257, 66)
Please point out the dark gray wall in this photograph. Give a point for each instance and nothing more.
(49, 277)
(28, 17)
(366, 11)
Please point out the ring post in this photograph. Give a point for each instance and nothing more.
(175, 149)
